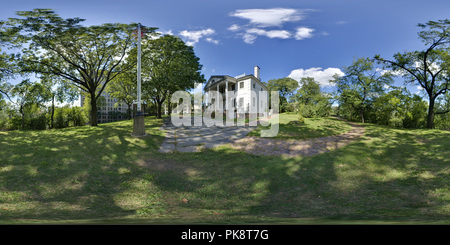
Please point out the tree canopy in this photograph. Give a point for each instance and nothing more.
(168, 65)
(361, 82)
(285, 86)
(88, 57)
(429, 68)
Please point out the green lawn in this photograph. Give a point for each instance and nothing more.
(311, 128)
(103, 174)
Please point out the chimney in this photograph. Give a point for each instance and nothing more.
(257, 72)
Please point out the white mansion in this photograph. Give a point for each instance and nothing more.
(249, 95)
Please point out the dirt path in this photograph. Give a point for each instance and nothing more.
(293, 148)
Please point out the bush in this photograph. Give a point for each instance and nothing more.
(61, 119)
(39, 122)
(15, 123)
(301, 119)
(66, 117)
(78, 116)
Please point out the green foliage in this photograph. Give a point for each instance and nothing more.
(7, 66)
(88, 57)
(442, 119)
(70, 116)
(429, 68)
(123, 89)
(398, 108)
(14, 123)
(360, 85)
(286, 87)
(310, 101)
(301, 119)
(168, 65)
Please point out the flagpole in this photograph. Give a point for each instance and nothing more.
(139, 111)
(139, 120)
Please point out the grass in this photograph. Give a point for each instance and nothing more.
(311, 128)
(104, 175)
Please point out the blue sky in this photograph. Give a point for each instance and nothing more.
(284, 38)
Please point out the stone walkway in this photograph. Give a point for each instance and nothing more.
(293, 148)
(196, 138)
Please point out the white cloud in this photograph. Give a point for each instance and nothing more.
(251, 34)
(419, 89)
(261, 20)
(321, 76)
(208, 39)
(194, 37)
(283, 34)
(249, 38)
(234, 27)
(303, 33)
(269, 17)
(394, 73)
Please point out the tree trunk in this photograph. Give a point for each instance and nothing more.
(53, 112)
(159, 108)
(129, 111)
(361, 114)
(93, 110)
(23, 116)
(169, 108)
(430, 116)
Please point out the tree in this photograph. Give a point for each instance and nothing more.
(6, 71)
(56, 90)
(28, 94)
(123, 89)
(443, 119)
(168, 65)
(285, 86)
(88, 57)
(360, 84)
(312, 101)
(428, 68)
(400, 108)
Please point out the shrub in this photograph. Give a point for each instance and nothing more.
(39, 122)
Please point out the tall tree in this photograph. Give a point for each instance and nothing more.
(360, 83)
(6, 72)
(28, 94)
(285, 86)
(168, 65)
(123, 89)
(312, 101)
(429, 68)
(88, 57)
(56, 90)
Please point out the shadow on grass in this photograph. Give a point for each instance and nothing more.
(312, 128)
(104, 173)
(71, 173)
(387, 175)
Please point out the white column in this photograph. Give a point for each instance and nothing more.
(217, 98)
(226, 95)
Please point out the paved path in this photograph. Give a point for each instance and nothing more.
(196, 138)
(293, 148)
